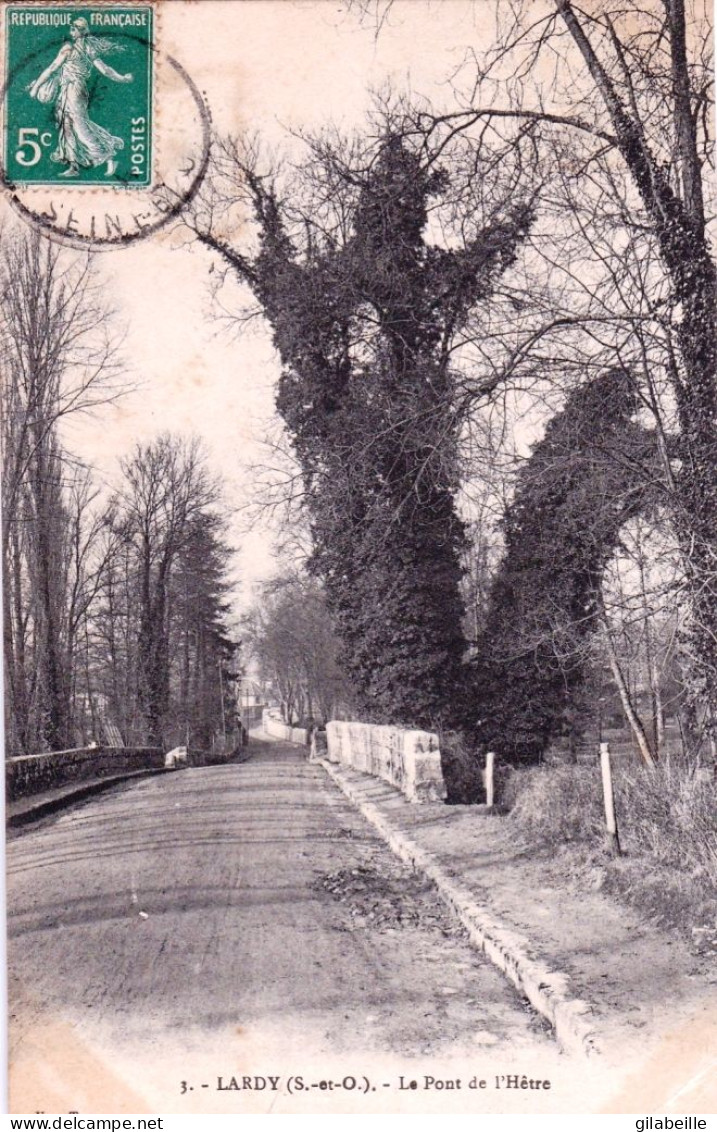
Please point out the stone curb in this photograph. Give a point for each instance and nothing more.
(547, 990)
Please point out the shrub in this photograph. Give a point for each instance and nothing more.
(669, 813)
(556, 803)
(462, 772)
(667, 819)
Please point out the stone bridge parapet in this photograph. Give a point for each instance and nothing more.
(408, 760)
(30, 774)
(273, 725)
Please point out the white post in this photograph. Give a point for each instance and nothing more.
(609, 797)
(489, 779)
(221, 697)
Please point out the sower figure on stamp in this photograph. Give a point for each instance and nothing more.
(81, 142)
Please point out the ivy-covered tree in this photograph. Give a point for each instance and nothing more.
(617, 102)
(593, 470)
(365, 312)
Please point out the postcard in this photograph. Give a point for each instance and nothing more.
(359, 456)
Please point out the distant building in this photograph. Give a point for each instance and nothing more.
(250, 693)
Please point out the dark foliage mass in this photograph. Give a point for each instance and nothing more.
(364, 325)
(589, 474)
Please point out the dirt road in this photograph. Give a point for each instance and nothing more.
(250, 900)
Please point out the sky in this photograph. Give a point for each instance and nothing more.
(268, 66)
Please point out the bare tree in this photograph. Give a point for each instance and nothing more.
(290, 635)
(617, 101)
(112, 677)
(167, 487)
(91, 544)
(59, 358)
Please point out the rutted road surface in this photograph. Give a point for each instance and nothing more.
(245, 910)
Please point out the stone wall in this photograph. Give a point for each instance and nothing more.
(409, 760)
(29, 774)
(274, 726)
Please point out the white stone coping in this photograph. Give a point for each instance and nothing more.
(277, 729)
(408, 760)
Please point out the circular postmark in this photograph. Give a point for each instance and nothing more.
(106, 140)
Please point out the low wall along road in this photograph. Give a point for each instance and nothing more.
(30, 774)
(409, 760)
(274, 726)
(26, 775)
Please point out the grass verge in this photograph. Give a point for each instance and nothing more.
(667, 818)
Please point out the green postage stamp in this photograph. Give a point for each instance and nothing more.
(78, 95)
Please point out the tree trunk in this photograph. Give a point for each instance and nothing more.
(627, 705)
(680, 230)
